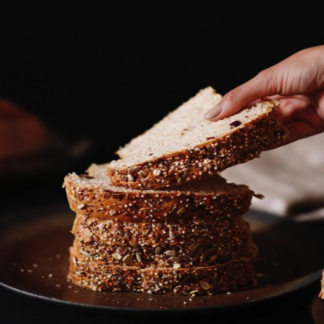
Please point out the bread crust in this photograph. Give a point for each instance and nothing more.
(162, 206)
(95, 275)
(215, 155)
(201, 243)
(321, 294)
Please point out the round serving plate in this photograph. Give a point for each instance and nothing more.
(34, 250)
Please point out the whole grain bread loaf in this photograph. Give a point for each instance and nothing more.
(149, 244)
(97, 275)
(184, 146)
(93, 194)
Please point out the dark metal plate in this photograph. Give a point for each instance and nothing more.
(34, 261)
(317, 309)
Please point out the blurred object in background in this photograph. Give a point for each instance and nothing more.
(290, 177)
(28, 146)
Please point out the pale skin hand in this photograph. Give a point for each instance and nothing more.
(297, 83)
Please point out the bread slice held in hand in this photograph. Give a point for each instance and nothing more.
(184, 146)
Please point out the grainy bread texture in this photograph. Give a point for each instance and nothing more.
(162, 220)
(94, 195)
(184, 146)
(321, 294)
(191, 237)
(97, 275)
(147, 244)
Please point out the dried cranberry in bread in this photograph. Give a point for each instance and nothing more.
(94, 195)
(184, 146)
(151, 244)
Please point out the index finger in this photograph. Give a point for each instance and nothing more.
(240, 97)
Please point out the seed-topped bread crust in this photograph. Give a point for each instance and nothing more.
(94, 195)
(147, 244)
(321, 294)
(244, 136)
(96, 275)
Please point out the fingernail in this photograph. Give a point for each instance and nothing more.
(214, 112)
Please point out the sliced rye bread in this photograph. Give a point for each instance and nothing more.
(149, 244)
(184, 146)
(94, 195)
(97, 275)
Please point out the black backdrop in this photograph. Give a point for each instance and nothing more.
(107, 70)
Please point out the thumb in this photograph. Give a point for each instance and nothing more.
(258, 87)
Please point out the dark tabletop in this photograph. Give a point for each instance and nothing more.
(293, 308)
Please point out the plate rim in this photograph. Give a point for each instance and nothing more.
(302, 282)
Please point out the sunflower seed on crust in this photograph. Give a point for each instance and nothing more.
(181, 211)
(204, 285)
(170, 253)
(193, 246)
(117, 256)
(138, 258)
(127, 257)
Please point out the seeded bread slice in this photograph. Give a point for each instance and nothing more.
(184, 146)
(144, 244)
(321, 294)
(94, 195)
(96, 275)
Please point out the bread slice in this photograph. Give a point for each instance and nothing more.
(184, 146)
(97, 275)
(149, 244)
(321, 294)
(94, 195)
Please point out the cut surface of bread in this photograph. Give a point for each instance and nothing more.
(97, 275)
(94, 195)
(181, 128)
(199, 243)
(321, 294)
(184, 146)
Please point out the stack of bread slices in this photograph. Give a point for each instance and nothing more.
(161, 219)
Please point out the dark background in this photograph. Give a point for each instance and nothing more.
(107, 70)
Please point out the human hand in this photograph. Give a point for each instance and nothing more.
(297, 82)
